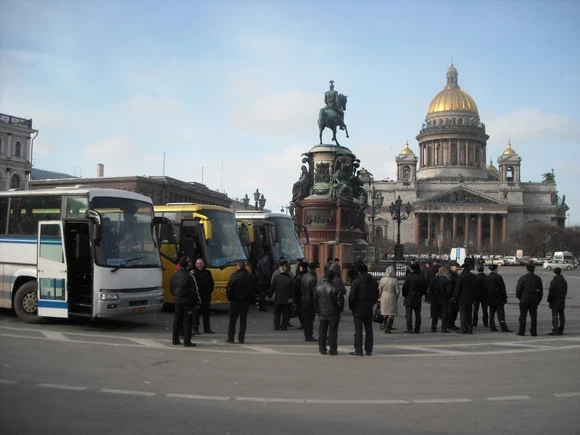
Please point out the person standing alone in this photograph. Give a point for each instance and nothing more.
(496, 299)
(364, 293)
(184, 289)
(529, 291)
(240, 292)
(557, 301)
(205, 286)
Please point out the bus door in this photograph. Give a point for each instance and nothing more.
(51, 271)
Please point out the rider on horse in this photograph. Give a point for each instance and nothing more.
(331, 101)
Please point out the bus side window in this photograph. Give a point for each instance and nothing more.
(3, 215)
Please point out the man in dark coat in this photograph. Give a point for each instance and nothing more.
(494, 288)
(240, 291)
(301, 271)
(557, 301)
(441, 292)
(480, 297)
(308, 290)
(364, 293)
(205, 285)
(414, 288)
(183, 288)
(453, 308)
(465, 292)
(263, 276)
(328, 309)
(529, 291)
(282, 290)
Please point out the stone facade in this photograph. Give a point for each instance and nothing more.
(456, 199)
(16, 138)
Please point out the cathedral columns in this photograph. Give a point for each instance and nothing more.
(479, 230)
(442, 225)
(504, 229)
(417, 228)
(466, 237)
(454, 230)
(491, 231)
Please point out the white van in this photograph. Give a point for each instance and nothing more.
(564, 256)
(458, 254)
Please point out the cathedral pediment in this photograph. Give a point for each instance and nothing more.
(459, 195)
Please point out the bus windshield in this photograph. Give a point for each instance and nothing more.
(286, 241)
(224, 247)
(126, 240)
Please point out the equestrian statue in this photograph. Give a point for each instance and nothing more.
(332, 115)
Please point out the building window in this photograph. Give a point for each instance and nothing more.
(15, 182)
(509, 173)
(17, 149)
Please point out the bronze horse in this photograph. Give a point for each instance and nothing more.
(331, 119)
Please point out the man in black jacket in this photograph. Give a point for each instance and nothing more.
(364, 293)
(557, 301)
(308, 290)
(184, 289)
(453, 308)
(414, 288)
(464, 294)
(496, 298)
(240, 292)
(282, 290)
(441, 292)
(205, 286)
(297, 299)
(529, 291)
(480, 297)
(328, 309)
(263, 275)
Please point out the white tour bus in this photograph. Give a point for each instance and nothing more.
(78, 252)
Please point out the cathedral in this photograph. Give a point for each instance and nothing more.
(458, 196)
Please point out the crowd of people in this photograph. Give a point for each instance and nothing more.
(452, 292)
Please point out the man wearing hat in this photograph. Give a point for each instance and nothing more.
(308, 290)
(480, 297)
(529, 291)
(494, 288)
(282, 290)
(453, 308)
(414, 288)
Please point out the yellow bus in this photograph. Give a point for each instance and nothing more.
(199, 231)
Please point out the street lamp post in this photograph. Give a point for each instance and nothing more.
(246, 201)
(375, 205)
(399, 214)
(256, 198)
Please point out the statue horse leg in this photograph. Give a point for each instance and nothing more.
(334, 135)
(345, 129)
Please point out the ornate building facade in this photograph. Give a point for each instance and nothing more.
(457, 198)
(16, 138)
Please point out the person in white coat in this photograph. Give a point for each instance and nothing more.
(389, 290)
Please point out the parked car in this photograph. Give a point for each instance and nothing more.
(510, 261)
(552, 264)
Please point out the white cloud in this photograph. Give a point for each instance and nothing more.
(532, 125)
(152, 107)
(283, 113)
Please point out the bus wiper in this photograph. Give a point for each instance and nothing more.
(127, 261)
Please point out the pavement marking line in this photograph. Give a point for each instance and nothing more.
(524, 345)
(147, 343)
(567, 394)
(431, 349)
(128, 392)
(459, 400)
(63, 387)
(269, 400)
(263, 349)
(8, 382)
(197, 396)
(500, 398)
(356, 402)
(58, 336)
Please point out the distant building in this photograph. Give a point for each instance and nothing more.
(161, 190)
(16, 139)
(456, 198)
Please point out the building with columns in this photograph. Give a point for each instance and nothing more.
(457, 198)
(16, 138)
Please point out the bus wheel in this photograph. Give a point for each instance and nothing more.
(26, 302)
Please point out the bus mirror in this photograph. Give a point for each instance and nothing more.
(206, 224)
(159, 221)
(95, 218)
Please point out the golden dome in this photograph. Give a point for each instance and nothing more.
(452, 98)
(491, 167)
(508, 151)
(407, 150)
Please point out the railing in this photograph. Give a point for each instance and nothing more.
(13, 120)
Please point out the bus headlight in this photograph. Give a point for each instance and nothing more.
(108, 296)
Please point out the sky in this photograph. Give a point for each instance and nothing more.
(227, 93)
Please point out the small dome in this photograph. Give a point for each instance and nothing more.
(407, 150)
(491, 167)
(508, 151)
(452, 98)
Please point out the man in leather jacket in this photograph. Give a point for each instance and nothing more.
(308, 289)
(529, 291)
(557, 301)
(364, 293)
(328, 308)
(496, 298)
(414, 288)
(184, 289)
